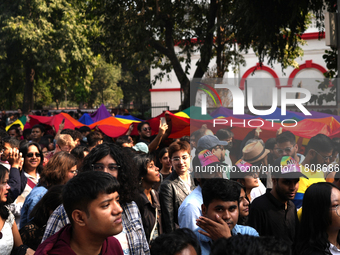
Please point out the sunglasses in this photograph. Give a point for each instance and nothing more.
(286, 150)
(30, 155)
(146, 128)
(324, 158)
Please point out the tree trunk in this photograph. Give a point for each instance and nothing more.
(28, 93)
(202, 64)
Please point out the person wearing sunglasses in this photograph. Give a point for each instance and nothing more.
(153, 142)
(317, 158)
(287, 146)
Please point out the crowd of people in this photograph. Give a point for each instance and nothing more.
(81, 192)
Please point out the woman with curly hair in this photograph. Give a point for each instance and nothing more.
(320, 221)
(113, 159)
(149, 205)
(59, 169)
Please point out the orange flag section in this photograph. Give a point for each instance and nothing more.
(111, 127)
(181, 126)
(56, 120)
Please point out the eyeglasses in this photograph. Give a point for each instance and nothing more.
(74, 172)
(101, 167)
(324, 158)
(30, 155)
(146, 128)
(286, 150)
(336, 208)
(177, 159)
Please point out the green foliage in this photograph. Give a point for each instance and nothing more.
(135, 83)
(328, 85)
(103, 88)
(273, 27)
(146, 31)
(42, 94)
(49, 39)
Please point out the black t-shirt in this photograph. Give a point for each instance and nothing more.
(270, 218)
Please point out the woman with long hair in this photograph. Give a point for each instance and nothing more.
(59, 169)
(29, 175)
(33, 165)
(9, 235)
(320, 221)
(149, 205)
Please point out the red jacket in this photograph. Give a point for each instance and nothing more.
(59, 244)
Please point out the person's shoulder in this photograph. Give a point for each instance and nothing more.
(245, 230)
(259, 201)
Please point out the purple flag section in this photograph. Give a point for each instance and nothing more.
(100, 114)
(317, 115)
(225, 112)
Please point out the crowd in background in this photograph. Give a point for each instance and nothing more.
(82, 192)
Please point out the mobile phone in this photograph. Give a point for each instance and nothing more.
(163, 121)
(63, 121)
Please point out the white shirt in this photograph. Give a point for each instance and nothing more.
(333, 249)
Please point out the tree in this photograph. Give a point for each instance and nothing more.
(328, 92)
(149, 30)
(104, 86)
(46, 41)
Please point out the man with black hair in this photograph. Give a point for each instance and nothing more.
(153, 142)
(9, 143)
(112, 159)
(93, 139)
(92, 204)
(274, 214)
(179, 242)
(37, 132)
(84, 130)
(318, 156)
(287, 146)
(124, 141)
(220, 212)
(14, 131)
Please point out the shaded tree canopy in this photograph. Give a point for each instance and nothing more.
(149, 31)
(45, 40)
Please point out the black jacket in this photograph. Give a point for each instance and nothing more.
(17, 181)
(148, 213)
(171, 195)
